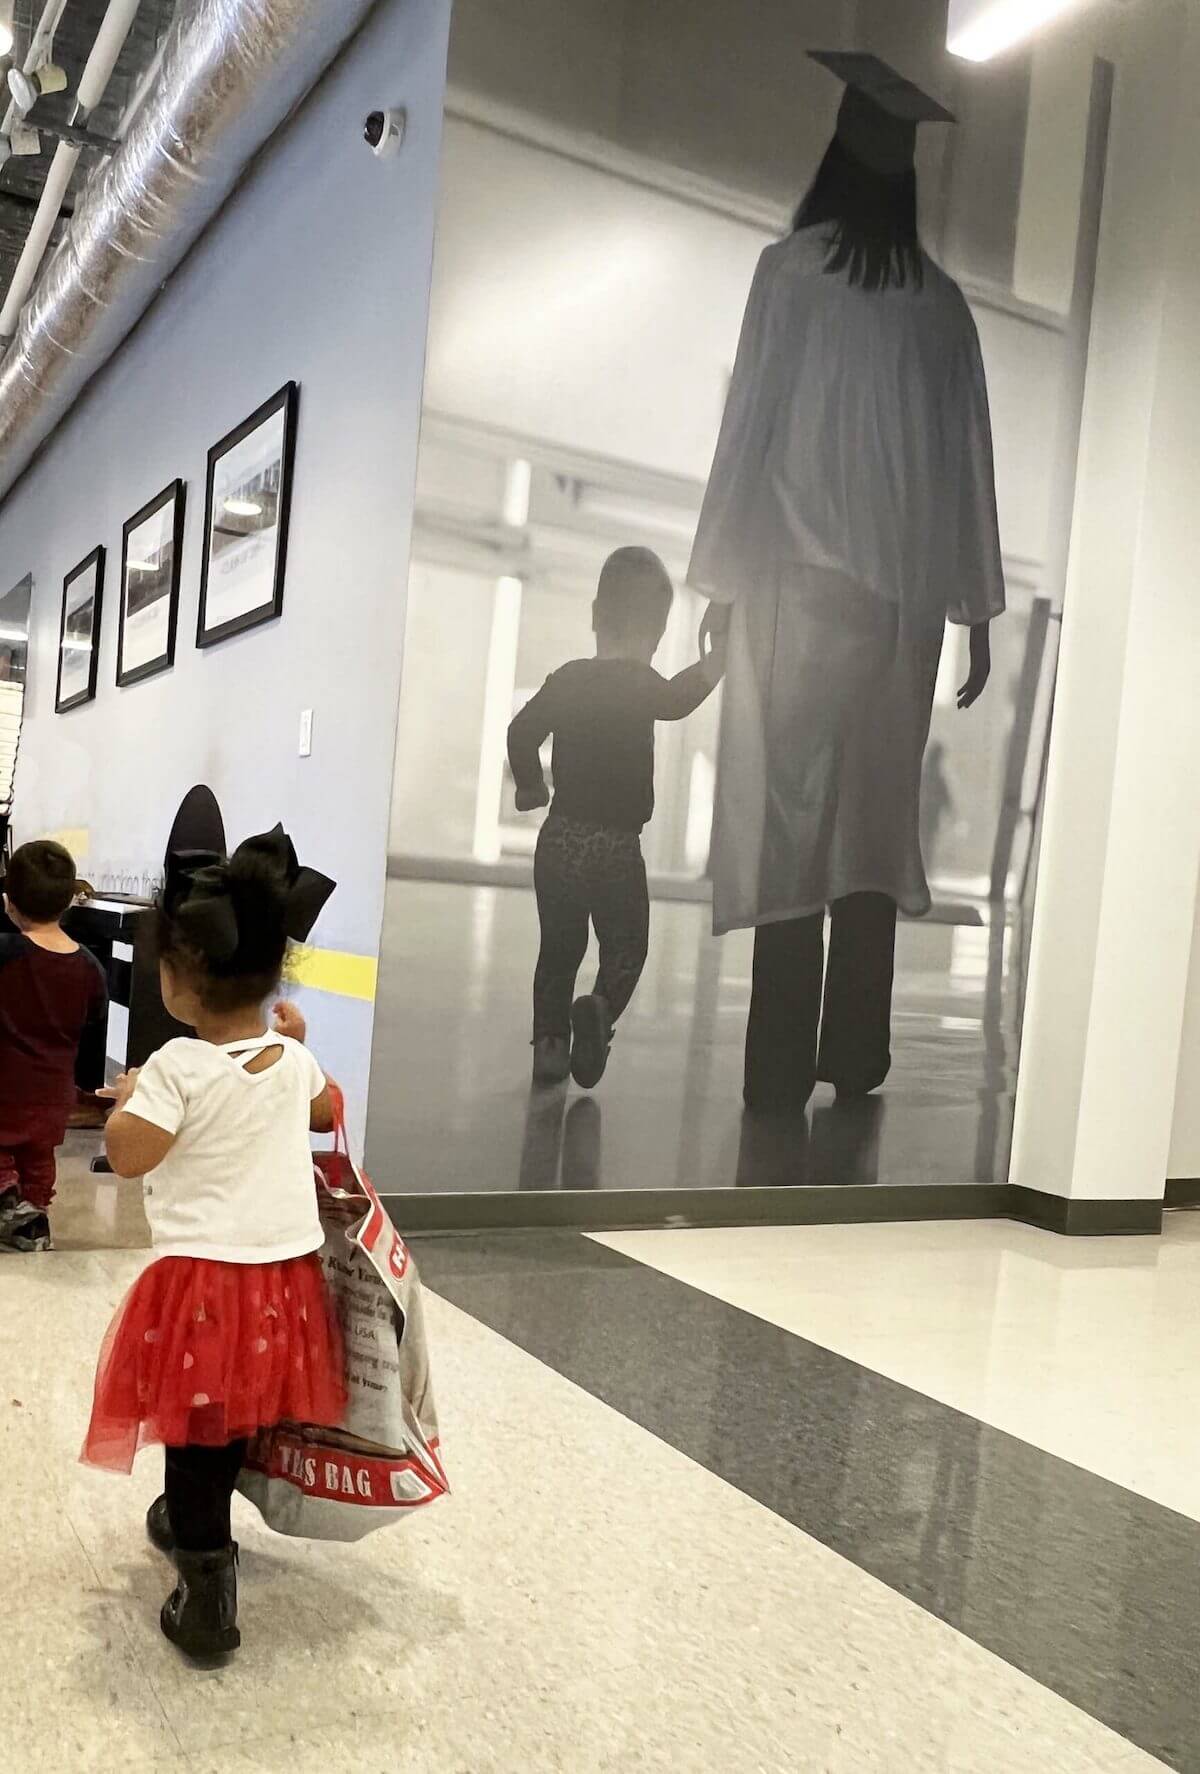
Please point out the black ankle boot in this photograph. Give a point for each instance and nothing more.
(158, 1527)
(201, 1615)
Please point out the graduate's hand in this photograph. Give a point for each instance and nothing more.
(716, 659)
(981, 666)
(714, 629)
(530, 799)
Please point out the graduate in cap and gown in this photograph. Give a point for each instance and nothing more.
(850, 513)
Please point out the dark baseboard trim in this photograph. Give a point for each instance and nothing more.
(1084, 1219)
(641, 1210)
(1182, 1192)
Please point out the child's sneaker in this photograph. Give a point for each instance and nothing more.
(11, 1209)
(592, 1028)
(26, 1228)
(551, 1059)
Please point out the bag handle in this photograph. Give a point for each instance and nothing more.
(377, 1218)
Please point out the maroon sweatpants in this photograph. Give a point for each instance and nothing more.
(28, 1141)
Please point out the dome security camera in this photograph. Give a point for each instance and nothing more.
(383, 133)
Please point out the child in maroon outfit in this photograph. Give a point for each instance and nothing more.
(50, 991)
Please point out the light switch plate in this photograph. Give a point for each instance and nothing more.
(306, 720)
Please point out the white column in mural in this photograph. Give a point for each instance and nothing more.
(497, 713)
(500, 683)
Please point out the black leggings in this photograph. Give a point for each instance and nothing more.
(199, 1488)
(587, 874)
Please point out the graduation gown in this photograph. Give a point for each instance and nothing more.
(850, 512)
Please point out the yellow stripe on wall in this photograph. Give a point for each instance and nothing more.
(329, 970)
(78, 841)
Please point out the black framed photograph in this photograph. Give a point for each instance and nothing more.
(246, 521)
(151, 561)
(79, 633)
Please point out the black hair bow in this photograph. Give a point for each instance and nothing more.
(197, 892)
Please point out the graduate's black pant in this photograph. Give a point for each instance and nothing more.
(841, 1034)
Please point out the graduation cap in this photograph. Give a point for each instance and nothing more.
(878, 119)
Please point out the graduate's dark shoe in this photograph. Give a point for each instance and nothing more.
(200, 1615)
(158, 1527)
(551, 1059)
(591, 1029)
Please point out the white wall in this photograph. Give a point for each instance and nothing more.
(579, 308)
(440, 736)
(1117, 881)
(1184, 1160)
(319, 270)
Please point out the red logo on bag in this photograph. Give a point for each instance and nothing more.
(335, 1475)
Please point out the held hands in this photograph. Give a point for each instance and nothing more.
(981, 666)
(289, 1022)
(528, 800)
(714, 639)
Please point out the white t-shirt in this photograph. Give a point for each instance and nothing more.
(237, 1186)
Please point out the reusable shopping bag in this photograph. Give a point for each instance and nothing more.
(313, 1481)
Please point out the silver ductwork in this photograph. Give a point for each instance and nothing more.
(232, 71)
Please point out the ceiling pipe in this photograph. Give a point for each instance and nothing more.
(232, 71)
(41, 47)
(106, 50)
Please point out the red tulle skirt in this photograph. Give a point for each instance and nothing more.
(205, 1353)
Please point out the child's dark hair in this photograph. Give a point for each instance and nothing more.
(634, 595)
(40, 882)
(227, 937)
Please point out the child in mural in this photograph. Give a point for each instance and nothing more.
(588, 866)
(232, 1329)
(51, 993)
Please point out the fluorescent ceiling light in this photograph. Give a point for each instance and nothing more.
(142, 567)
(980, 29)
(243, 508)
(6, 39)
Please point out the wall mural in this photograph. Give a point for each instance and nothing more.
(725, 706)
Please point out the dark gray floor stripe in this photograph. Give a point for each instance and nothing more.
(1086, 1587)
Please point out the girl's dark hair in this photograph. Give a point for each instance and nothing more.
(873, 218)
(224, 983)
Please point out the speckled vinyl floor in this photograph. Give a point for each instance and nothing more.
(700, 1521)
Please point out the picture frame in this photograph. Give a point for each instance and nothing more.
(79, 633)
(151, 568)
(247, 517)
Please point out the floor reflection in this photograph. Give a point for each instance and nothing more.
(452, 1108)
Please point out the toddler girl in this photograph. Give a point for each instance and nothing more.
(231, 1330)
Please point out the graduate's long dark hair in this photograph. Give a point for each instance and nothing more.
(873, 217)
